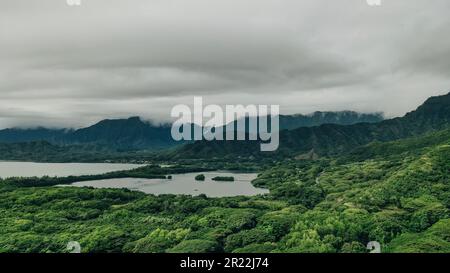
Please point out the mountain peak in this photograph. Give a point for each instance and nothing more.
(437, 107)
(135, 119)
(443, 99)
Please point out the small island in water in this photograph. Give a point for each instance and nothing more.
(224, 178)
(200, 177)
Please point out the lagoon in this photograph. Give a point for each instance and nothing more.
(184, 184)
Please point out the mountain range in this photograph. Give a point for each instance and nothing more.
(133, 138)
(135, 134)
(328, 139)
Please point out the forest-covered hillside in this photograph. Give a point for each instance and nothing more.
(397, 194)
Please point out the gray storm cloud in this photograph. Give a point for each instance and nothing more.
(71, 66)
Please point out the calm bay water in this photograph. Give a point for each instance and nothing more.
(28, 169)
(184, 184)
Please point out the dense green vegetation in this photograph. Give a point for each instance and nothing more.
(396, 193)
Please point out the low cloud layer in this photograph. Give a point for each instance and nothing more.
(64, 66)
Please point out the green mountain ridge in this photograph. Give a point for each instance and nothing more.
(329, 139)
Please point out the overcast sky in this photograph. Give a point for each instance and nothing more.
(65, 66)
